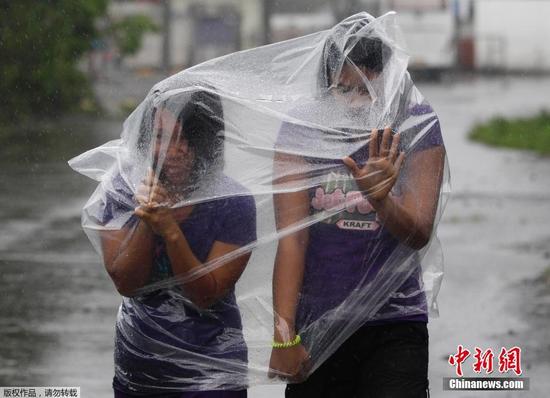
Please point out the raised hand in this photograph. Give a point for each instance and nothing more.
(154, 207)
(151, 192)
(377, 177)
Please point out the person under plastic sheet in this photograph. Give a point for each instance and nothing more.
(390, 188)
(163, 336)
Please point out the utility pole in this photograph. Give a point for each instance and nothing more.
(166, 35)
(267, 11)
(457, 32)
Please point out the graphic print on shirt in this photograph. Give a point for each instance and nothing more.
(341, 191)
(162, 269)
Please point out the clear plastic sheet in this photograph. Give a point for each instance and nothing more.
(311, 170)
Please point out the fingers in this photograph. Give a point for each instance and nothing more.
(158, 194)
(142, 199)
(150, 176)
(151, 192)
(373, 144)
(142, 212)
(272, 374)
(143, 190)
(305, 368)
(150, 179)
(291, 365)
(142, 193)
(153, 198)
(385, 145)
(399, 161)
(383, 148)
(152, 182)
(276, 373)
(152, 215)
(394, 148)
(352, 166)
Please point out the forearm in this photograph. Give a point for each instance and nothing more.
(128, 256)
(183, 261)
(403, 221)
(291, 209)
(287, 283)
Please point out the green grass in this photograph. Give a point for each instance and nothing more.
(545, 276)
(532, 133)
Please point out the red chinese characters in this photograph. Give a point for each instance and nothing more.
(484, 360)
(510, 360)
(458, 359)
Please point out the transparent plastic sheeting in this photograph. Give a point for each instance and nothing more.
(258, 174)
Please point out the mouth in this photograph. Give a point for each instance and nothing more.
(175, 161)
(174, 169)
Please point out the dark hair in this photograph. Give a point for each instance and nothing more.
(201, 118)
(203, 127)
(363, 51)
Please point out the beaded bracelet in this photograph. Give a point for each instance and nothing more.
(297, 340)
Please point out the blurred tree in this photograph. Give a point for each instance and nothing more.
(40, 45)
(266, 20)
(128, 33)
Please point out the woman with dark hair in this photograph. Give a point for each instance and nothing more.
(317, 268)
(188, 334)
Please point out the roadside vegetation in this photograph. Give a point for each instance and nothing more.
(42, 44)
(532, 133)
(545, 277)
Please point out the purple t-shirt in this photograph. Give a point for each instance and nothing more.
(347, 251)
(165, 320)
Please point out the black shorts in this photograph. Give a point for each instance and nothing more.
(383, 361)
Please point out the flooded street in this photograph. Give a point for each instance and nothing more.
(495, 235)
(58, 306)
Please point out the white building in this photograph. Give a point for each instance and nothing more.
(512, 34)
(429, 31)
(440, 34)
(199, 29)
(507, 35)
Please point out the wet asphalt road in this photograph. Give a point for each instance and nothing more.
(58, 306)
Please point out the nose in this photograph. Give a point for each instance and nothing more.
(181, 146)
(177, 148)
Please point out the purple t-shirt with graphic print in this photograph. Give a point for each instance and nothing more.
(348, 250)
(171, 320)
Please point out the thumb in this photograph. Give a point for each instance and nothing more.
(140, 212)
(351, 165)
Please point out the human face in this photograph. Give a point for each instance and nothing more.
(351, 87)
(171, 150)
